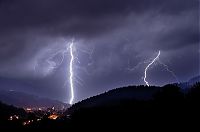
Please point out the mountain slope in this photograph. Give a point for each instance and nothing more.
(21, 99)
(189, 83)
(118, 95)
(194, 80)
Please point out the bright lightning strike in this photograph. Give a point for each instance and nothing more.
(146, 69)
(71, 72)
(53, 58)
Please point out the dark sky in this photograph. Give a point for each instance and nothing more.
(111, 37)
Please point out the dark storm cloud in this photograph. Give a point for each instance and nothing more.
(122, 32)
(181, 33)
(86, 16)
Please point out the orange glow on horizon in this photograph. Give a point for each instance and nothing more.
(53, 117)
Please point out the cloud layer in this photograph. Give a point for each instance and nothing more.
(111, 37)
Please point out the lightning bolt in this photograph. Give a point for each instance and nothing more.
(71, 72)
(166, 67)
(170, 71)
(146, 69)
(50, 63)
(53, 58)
(88, 52)
(129, 68)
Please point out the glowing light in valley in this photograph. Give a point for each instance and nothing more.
(146, 69)
(14, 117)
(53, 116)
(71, 72)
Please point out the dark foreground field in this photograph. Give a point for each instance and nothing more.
(133, 107)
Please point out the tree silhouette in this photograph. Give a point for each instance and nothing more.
(169, 93)
(129, 107)
(194, 93)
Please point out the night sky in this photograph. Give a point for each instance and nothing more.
(114, 40)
